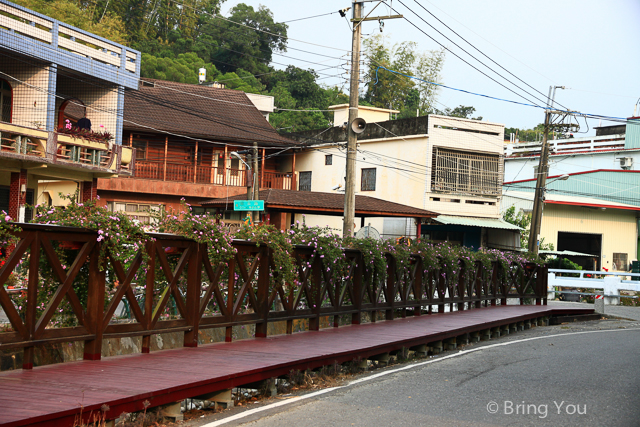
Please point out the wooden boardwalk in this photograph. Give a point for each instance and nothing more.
(52, 395)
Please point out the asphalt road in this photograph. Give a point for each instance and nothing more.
(583, 374)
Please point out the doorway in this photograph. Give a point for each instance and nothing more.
(585, 243)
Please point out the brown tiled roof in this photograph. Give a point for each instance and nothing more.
(324, 203)
(199, 112)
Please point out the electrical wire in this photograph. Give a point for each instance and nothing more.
(485, 55)
(263, 31)
(308, 17)
(458, 56)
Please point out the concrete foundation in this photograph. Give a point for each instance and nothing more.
(219, 398)
(172, 411)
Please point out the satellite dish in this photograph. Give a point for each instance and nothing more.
(369, 232)
(358, 125)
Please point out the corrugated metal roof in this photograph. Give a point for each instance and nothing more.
(619, 186)
(476, 222)
(565, 253)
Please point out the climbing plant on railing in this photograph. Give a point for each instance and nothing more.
(121, 236)
(205, 229)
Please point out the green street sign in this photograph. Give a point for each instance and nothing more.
(248, 205)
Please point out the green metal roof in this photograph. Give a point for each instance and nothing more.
(476, 222)
(620, 186)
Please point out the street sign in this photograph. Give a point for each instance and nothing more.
(248, 205)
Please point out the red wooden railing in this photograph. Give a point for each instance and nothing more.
(276, 180)
(171, 285)
(160, 170)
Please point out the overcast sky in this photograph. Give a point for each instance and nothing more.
(590, 47)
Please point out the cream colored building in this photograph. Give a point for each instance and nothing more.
(582, 215)
(447, 165)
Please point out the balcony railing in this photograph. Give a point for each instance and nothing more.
(201, 174)
(567, 146)
(20, 142)
(71, 44)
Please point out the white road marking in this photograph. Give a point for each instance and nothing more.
(393, 371)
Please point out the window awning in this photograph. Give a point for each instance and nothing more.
(476, 222)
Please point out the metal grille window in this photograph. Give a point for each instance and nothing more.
(328, 159)
(5, 101)
(464, 172)
(368, 181)
(620, 262)
(305, 181)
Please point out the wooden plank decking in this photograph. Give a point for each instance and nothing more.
(52, 395)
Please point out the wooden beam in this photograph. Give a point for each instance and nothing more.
(293, 173)
(166, 144)
(264, 152)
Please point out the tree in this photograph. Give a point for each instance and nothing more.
(246, 48)
(183, 69)
(297, 89)
(461, 111)
(520, 219)
(523, 220)
(394, 90)
(530, 135)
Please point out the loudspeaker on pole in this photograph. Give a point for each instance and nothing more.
(358, 125)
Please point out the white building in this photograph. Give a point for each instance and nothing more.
(447, 165)
(597, 209)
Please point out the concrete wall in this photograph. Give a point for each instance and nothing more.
(470, 136)
(369, 114)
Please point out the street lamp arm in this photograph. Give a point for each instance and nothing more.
(235, 154)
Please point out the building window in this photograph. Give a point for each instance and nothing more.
(145, 214)
(368, 181)
(234, 166)
(620, 262)
(141, 149)
(6, 98)
(466, 173)
(328, 159)
(305, 181)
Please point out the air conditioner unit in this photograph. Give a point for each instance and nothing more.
(626, 162)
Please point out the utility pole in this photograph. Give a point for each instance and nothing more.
(352, 137)
(256, 181)
(541, 182)
(250, 183)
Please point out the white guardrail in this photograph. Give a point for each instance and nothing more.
(611, 282)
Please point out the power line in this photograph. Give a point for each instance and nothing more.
(263, 31)
(485, 55)
(308, 17)
(458, 56)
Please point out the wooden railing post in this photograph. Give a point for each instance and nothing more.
(263, 292)
(32, 300)
(479, 276)
(95, 305)
(150, 247)
(231, 284)
(356, 317)
(493, 285)
(462, 275)
(316, 288)
(390, 293)
(194, 284)
(441, 287)
(418, 286)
